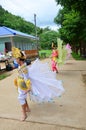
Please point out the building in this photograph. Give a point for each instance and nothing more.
(10, 37)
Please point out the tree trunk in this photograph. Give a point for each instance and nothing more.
(83, 49)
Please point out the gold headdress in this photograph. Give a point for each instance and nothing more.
(17, 53)
(53, 46)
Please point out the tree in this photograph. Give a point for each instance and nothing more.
(46, 39)
(73, 23)
(16, 22)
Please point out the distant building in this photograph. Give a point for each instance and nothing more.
(10, 37)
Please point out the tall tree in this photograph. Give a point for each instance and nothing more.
(73, 23)
(46, 39)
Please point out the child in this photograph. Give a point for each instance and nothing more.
(54, 65)
(69, 51)
(21, 82)
(54, 60)
(38, 80)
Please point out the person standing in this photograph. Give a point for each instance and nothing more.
(22, 82)
(54, 57)
(37, 80)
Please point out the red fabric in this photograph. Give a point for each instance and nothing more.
(55, 53)
(54, 67)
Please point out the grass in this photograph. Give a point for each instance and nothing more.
(77, 57)
(3, 75)
(48, 53)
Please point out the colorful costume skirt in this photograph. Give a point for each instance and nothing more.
(44, 85)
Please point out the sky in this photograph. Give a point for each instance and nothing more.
(45, 10)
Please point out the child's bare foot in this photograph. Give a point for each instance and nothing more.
(23, 117)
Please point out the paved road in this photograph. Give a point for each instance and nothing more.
(67, 113)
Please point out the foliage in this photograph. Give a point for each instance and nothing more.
(72, 18)
(77, 56)
(48, 53)
(16, 22)
(46, 35)
(69, 28)
(46, 39)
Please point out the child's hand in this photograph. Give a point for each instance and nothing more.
(26, 91)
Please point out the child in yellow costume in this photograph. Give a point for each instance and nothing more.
(22, 82)
(44, 84)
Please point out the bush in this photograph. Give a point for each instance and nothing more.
(48, 53)
(77, 56)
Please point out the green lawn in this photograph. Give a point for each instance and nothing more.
(3, 75)
(47, 52)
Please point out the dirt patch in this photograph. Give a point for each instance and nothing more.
(2, 71)
(84, 78)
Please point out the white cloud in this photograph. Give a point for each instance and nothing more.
(45, 10)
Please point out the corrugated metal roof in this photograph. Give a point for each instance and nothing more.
(8, 32)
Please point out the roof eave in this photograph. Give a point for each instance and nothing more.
(2, 36)
(28, 37)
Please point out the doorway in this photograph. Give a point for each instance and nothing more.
(8, 46)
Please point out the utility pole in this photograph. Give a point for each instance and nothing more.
(35, 25)
(36, 33)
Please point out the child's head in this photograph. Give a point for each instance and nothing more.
(20, 60)
(18, 55)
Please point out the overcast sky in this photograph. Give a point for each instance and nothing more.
(45, 10)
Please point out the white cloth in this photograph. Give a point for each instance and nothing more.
(22, 96)
(45, 86)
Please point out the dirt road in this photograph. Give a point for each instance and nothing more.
(66, 113)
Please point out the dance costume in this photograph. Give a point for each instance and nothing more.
(69, 51)
(40, 81)
(64, 52)
(54, 60)
(44, 85)
(54, 65)
(23, 83)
